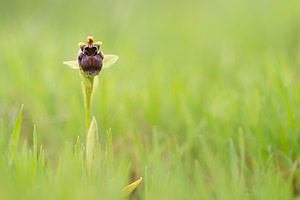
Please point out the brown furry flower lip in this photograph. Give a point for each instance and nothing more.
(90, 59)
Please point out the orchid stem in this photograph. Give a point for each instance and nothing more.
(88, 98)
(88, 112)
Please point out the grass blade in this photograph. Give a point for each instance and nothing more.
(15, 138)
(35, 143)
(129, 188)
(110, 145)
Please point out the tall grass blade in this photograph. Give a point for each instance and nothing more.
(35, 143)
(41, 158)
(77, 147)
(15, 138)
(111, 153)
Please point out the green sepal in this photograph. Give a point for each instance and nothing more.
(109, 60)
(72, 64)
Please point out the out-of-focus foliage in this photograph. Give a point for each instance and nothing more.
(204, 101)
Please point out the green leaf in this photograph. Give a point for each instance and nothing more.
(15, 138)
(109, 60)
(91, 142)
(72, 64)
(129, 188)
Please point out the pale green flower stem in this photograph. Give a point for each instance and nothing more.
(87, 84)
(88, 104)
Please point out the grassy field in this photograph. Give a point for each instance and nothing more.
(203, 103)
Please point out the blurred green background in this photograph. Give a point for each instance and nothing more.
(187, 70)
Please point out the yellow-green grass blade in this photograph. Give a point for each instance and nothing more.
(129, 188)
(15, 138)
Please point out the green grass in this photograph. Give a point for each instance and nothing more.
(203, 103)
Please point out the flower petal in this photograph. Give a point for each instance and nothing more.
(109, 60)
(72, 64)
